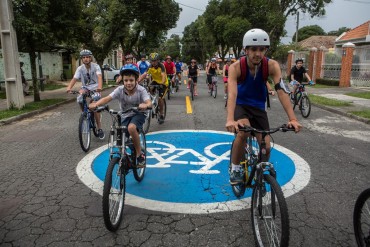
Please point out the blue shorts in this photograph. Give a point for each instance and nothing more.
(137, 119)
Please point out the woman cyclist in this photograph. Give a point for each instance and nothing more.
(212, 70)
(193, 73)
(225, 74)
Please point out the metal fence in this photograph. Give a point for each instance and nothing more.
(331, 65)
(360, 72)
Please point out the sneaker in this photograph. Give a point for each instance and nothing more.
(161, 119)
(140, 161)
(236, 177)
(173, 91)
(195, 93)
(225, 96)
(188, 87)
(101, 134)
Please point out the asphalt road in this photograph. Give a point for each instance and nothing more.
(44, 203)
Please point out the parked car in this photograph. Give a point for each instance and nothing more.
(110, 71)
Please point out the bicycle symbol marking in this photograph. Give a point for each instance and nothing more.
(172, 154)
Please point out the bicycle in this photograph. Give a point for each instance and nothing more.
(301, 99)
(269, 211)
(191, 86)
(177, 83)
(213, 87)
(169, 76)
(86, 122)
(361, 219)
(155, 111)
(122, 160)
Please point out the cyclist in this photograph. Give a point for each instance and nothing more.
(90, 75)
(178, 66)
(143, 64)
(159, 77)
(211, 70)
(296, 76)
(171, 71)
(193, 73)
(225, 73)
(246, 98)
(129, 58)
(130, 94)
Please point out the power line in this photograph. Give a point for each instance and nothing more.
(191, 7)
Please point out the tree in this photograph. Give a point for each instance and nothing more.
(308, 31)
(171, 47)
(42, 23)
(339, 31)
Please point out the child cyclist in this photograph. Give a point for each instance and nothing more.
(130, 94)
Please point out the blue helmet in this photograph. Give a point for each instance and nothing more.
(129, 68)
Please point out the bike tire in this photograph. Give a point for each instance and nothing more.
(192, 91)
(140, 172)
(214, 90)
(146, 124)
(273, 213)
(84, 133)
(305, 106)
(238, 189)
(114, 181)
(168, 92)
(177, 85)
(361, 219)
(165, 109)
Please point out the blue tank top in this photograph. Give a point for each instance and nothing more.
(143, 67)
(252, 92)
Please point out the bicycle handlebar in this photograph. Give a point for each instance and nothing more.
(283, 128)
(114, 112)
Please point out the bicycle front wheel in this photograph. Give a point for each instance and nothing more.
(192, 91)
(146, 124)
(164, 108)
(84, 134)
(361, 219)
(305, 106)
(214, 90)
(139, 172)
(114, 195)
(270, 220)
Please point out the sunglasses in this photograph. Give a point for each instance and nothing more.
(260, 49)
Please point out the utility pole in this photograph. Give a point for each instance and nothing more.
(296, 29)
(12, 70)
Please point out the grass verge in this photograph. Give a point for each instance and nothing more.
(329, 102)
(363, 95)
(32, 106)
(364, 113)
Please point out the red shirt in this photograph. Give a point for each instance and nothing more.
(170, 68)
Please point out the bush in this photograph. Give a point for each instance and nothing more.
(327, 82)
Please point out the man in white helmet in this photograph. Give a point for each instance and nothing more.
(90, 75)
(247, 97)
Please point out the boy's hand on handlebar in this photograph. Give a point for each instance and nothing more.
(93, 106)
(143, 106)
(295, 124)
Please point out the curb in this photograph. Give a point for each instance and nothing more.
(33, 113)
(346, 114)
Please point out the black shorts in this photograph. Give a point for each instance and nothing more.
(194, 78)
(257, 117)
(137, 119)
(162, 88)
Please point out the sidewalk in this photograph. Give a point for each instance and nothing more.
(358, 104)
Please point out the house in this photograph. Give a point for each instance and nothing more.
(359, 36)
(318, 41)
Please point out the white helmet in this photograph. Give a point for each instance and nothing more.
(256, 37)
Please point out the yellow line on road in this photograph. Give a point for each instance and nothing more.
(189, 109)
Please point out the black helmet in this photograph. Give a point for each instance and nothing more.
(299, 60)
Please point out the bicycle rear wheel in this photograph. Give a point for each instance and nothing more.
(305, 106)
(270, 220)
(361, 219)
(169, 91)
(114, 191)
(140, 172)
(84, 134)
(164, 108)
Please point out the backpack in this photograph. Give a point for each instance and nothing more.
(265, 73)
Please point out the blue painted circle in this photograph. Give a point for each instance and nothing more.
(184, 154)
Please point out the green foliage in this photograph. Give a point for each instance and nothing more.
(171, 47)
(339, 31)
(364, 113)
(308, 31)
(326, 101)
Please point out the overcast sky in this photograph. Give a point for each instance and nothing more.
(340, 13)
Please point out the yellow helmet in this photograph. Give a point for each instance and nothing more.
(154, 56)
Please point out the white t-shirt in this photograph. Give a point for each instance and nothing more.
(88, 78)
